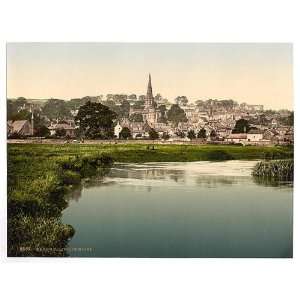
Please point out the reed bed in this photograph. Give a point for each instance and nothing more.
(277, 169)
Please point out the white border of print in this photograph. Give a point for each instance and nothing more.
(148, 21)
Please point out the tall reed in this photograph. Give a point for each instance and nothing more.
(277, 169)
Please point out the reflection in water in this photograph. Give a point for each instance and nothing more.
(198, 209)
(265, 181)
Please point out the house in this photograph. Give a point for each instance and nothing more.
(70, 130)
(117, 130)
(236, 138)
(20, 127)
(254, 135)
(223, 131)
(270, 134)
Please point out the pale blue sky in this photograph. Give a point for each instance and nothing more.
(252, 73)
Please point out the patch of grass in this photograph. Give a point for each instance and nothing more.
(37, 236)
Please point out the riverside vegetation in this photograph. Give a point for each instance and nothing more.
(275, 169)
(39, 176)
(37, 184)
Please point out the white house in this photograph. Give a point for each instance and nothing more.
(254, 135)
(236, 138)
(117, 130)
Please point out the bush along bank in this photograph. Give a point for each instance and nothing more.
(35, 202)
(275, 169)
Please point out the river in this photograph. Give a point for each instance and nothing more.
(186, 209)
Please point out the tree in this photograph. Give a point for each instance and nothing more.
(138, 104)
(56, 109)
(201, 134)
(125, 108)
(199, 103)
(191, 134)
(290, 120)
(158, 98)
(142, 98)
(136, 117)
(181, 100)
(213, 134)
(21, 115)
(132, 97)
(125, 133)
(21, 101)
(180, 133)
(165, 136)
(241, 126)
(60, 132)
(42, 131)
(162, 119)
(176, 114)
(96, 120)
(153, 134)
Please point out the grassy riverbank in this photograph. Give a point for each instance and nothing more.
(39, 176)
(37, 184)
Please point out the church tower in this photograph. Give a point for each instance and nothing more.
(149, 97)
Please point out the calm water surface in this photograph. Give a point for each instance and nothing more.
(194, 209)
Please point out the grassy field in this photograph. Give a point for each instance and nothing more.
(40, 175)
(145, 153)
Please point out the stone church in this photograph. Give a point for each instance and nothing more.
(150, 112)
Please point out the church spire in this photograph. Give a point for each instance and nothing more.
(149, 90)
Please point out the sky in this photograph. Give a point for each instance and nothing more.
(252, 73)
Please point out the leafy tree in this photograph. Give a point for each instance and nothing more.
(115, 108)
(60, 132)
(176, 114)
(119, 98)
(136, 117)
(213, 134)
(165, 136)
(241, 126)
(139, 104)
(75, 103)
(125, 133)
(181, 100)
(11, 109)
(125, 107)
(96, 120)
(290, 120)
(21, 101)
(21, 115)
(153, 134)
(200, 103)
(132, 97)
(163, 110)
(56, 109)
(180, 133)
(191, 134)
(42, 131)
(201, 134)
(142, 98)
